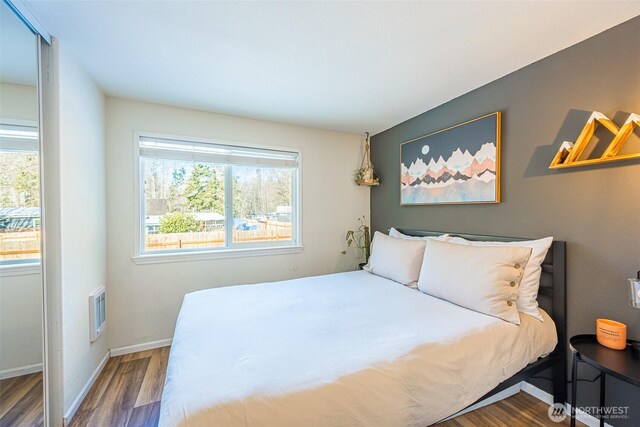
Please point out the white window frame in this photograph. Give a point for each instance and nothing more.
(30, 266)
(231, 250)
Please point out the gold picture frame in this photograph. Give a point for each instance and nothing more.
(457, 165)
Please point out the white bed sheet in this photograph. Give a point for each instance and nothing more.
(348, 349)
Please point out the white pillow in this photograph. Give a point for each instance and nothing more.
(481, 278)
(396, 259)
(395, 233)
(528, 290)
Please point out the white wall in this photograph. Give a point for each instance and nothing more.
(20, 323)
(143, 300)
(18, 102)
(82, 219)
(20, 296)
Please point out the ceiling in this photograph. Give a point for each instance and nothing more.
(351, 66)
(18, 56)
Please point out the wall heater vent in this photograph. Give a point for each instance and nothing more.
(97, 313)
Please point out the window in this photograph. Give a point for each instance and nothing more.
(202, 196)
(19, 195)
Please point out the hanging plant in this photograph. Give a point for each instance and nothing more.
(366, 175)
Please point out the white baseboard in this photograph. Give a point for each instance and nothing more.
(581, 416)
(119, 351)
(21, 370)
(536, 392)
(83, 393)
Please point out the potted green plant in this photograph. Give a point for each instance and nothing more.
(360, 240)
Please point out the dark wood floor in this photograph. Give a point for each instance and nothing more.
(127, 393)
(520, 409)
(21, 401)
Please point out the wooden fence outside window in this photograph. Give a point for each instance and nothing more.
(26, 245)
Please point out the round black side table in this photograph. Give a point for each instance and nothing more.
(622, 364)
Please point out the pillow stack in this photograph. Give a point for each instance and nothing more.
(495, 278)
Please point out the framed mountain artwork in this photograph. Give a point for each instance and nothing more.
(460, 164)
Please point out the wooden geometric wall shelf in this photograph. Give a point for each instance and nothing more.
(569, 153)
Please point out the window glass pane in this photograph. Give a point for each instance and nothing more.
(262, 204)
(184, 205)
(19, 207)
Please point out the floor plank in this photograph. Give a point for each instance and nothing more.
(137, 355)
(33, 415)
(81, 418)
(120, 396)
(92, 399)
(13, 390)
(151, 390)
(145, 416)
(28, 411)
(520, 409)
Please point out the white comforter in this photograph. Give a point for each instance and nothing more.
(348, 349)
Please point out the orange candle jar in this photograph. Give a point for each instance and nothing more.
(611, 334)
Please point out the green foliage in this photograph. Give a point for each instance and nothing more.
(178, 223)
(260, 190)
(19, 183)
(360, 239)
(204, 190)
(200, 187)
(26, 182)
(358, 174)
(176, 202)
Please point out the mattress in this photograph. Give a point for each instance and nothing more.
(347, 349)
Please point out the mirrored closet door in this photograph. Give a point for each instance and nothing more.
(21, 285)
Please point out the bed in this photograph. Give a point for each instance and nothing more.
(351, 349)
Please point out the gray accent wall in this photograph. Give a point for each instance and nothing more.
(595, 209)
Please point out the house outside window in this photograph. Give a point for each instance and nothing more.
(202, 196)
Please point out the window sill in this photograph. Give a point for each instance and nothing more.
(159, 258)
(20, 269)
